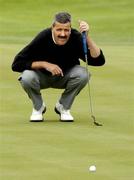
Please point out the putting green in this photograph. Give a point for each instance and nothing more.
(53, 150)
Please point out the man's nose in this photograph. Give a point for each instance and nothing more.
(62, 33)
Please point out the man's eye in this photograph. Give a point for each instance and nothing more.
(59, 30)
(66, 30)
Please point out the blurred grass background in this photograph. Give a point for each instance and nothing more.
(54, 150)
(111, 20)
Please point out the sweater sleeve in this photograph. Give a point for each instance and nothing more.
(23, 60)
(98, 61)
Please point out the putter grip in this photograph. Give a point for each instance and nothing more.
(84, 42)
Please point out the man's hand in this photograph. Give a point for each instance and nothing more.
(94, 50)
(53, 68)
(83, 26)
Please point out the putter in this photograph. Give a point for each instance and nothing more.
(89, 91)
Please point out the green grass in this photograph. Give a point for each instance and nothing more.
(53, 150)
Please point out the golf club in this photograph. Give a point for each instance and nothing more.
(89, 91)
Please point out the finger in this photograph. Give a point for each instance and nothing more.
(60, 71)
(57, 71)
(62, 74)
(83, 26)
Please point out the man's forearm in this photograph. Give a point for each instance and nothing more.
(39, 65)
(94, 50)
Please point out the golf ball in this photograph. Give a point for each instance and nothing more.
(92, 168)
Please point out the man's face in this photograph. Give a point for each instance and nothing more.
(61, 32)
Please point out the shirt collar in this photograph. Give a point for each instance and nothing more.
(53, 38)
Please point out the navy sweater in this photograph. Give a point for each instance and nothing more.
(42, 48)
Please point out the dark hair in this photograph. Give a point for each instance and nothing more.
(62, 17)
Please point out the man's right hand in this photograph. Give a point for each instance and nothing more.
(53, 68)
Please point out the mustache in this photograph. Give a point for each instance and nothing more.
(62, 37)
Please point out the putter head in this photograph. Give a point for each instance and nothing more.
(94, 120)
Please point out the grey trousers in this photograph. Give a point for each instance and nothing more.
(73, 81)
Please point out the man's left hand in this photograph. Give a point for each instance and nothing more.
(83, 26)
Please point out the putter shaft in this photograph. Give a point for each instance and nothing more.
(89, 91)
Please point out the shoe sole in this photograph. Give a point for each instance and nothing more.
(37, 120)
(40, 120)
(60, 114)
